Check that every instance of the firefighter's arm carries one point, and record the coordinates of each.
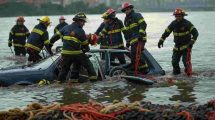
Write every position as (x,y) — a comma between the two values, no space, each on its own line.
(142,27)
(56,37)
(11,35)
(27,33)
(166,33)
(194,33)
(56,29)
(103,33)
(84,41)
(100,28)
(47,43)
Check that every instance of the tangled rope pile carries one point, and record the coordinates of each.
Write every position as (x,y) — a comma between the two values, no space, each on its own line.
(28,113)
(114,111)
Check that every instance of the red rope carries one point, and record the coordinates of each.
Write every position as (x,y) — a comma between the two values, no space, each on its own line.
(211,115)
(188,63)
(86,112)
(186,114)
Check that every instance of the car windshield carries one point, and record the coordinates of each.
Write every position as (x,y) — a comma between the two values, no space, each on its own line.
(44,64)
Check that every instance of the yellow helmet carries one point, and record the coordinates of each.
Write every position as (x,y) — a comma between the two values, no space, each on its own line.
(45,19)
(104,15)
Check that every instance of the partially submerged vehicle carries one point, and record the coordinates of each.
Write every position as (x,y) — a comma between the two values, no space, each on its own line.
(48,69)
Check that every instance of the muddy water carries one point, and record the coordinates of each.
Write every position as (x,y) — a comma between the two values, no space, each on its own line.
(197,89)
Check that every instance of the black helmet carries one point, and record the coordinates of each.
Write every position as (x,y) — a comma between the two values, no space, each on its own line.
(80,16)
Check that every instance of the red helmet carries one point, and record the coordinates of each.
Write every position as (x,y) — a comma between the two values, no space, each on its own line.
(126,5)
(179,11)
(110,13)
(62,18)
(20,19)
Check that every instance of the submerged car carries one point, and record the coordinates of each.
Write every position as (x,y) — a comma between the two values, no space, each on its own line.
(48,69)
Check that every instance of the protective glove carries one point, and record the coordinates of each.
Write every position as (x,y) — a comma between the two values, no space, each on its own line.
(49,48)
(9,44)
(190,44)
(85,48)
(160,43)
(127,44)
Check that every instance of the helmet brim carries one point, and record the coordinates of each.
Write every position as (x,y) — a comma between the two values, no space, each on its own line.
(180,14)
(123,10)
(79,19)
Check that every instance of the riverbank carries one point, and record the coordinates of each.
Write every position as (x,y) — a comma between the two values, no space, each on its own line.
(24,9)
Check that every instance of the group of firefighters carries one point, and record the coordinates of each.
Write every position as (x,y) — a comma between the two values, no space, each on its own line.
(108,35)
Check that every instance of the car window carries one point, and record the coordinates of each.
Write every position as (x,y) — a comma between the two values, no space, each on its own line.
(115,60)
(44,64)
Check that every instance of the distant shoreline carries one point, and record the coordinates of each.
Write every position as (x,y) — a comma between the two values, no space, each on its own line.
(23,9)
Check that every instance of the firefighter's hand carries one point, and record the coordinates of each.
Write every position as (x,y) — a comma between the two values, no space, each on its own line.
(160,43)
(9,44)
(190,44)
(49,49)
(85,48)
(127,44)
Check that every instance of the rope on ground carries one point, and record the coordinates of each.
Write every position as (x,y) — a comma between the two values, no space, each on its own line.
(186,114)
(28,113)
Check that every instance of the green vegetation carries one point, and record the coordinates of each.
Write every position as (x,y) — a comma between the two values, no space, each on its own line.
(23,9)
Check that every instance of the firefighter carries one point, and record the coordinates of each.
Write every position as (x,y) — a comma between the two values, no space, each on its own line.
(61,24)
(38,39)
(75,44)
(113,30)
(18,35)
(185,35)
(104,44)
(135,35)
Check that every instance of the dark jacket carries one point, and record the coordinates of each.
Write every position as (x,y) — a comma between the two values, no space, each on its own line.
(104,42)
(135,27)
(38,38)
(73,37)
(113,31)
(59,27)
(183,31)
(18,35)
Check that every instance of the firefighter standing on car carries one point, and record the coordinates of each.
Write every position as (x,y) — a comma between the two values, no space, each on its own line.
(61,24)
(75,44)
(113,30)
(18,35)
(135,27)
(38,39)
(185,35)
